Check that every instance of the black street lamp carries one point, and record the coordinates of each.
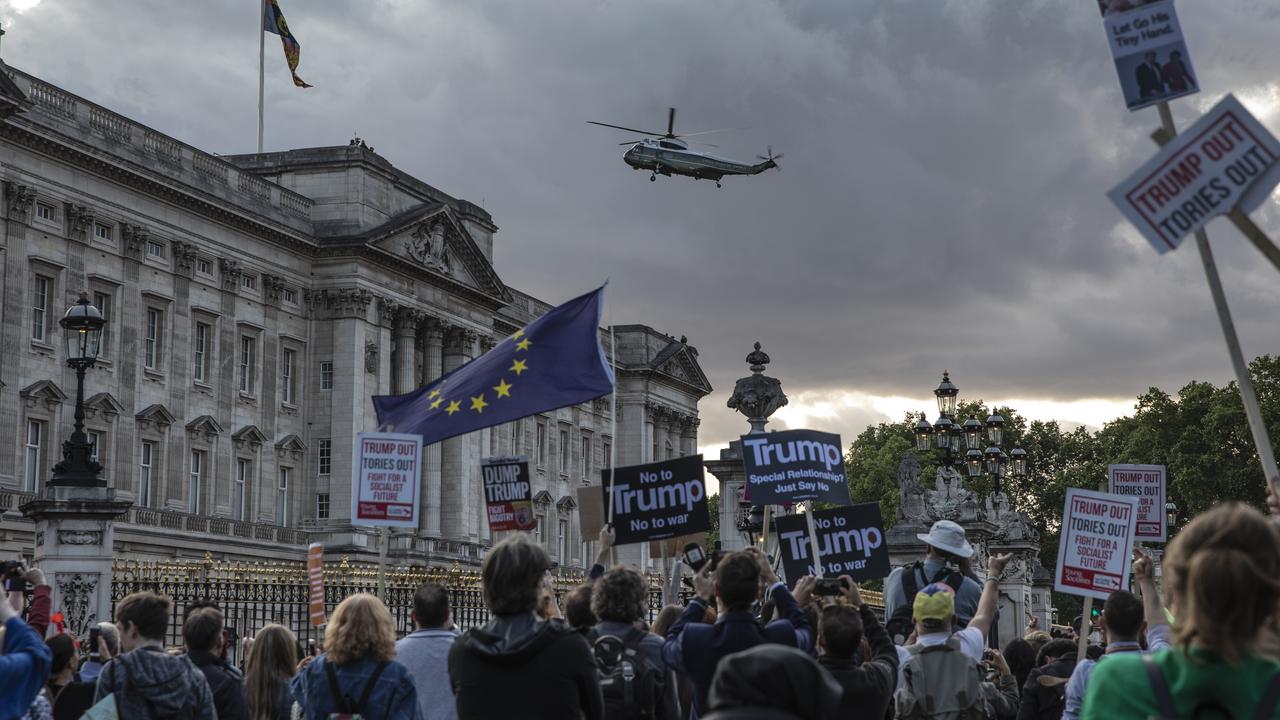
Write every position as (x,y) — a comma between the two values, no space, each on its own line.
(945,435)
(82,324)
(1170,516)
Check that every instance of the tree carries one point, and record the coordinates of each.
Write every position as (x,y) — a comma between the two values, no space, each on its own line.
(713,507)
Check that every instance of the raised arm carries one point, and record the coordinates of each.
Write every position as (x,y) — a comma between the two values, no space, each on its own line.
(1152,607)
(605,540)
(986,613)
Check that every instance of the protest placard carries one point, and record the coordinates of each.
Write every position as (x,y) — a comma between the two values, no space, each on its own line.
(590,511)
(656,500)
(1147,484)
(315,583)
(387,470)
(1096,543)
(508,494)
(1227,159)
(850,542)
(1150,56)
(792,465)
(672,547)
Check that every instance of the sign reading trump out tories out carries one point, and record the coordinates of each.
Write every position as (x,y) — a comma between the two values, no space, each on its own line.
(793,465)
(1097,543)
(1224,161)
(657,500)
(1147,484)
(850,542)
(508,496)
(387,473)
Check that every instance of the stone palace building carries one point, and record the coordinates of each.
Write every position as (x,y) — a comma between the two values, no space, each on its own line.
(254,303)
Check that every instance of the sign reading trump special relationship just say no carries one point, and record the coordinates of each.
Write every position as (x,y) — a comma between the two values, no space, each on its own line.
(1097,543)
(792,465)
(387,474)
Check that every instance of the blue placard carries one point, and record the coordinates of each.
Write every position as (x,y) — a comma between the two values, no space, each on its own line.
(793,465)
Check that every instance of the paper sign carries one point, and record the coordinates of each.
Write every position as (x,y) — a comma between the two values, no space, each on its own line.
(387,473)
(1150,56)
(850,542)
(315,583)
(590,512)
(1225,160)
(657,500)
(675,546)
(1147,484)
(1097,543)
(508,494)
(791,465)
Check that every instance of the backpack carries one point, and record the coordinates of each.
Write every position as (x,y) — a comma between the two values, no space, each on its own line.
(940,682)
(900,624)
(632,687)
(1169,711)
(346,709)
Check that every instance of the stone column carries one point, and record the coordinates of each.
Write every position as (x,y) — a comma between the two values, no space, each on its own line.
(404,331)
(432,336)
(75,538)
(454,478)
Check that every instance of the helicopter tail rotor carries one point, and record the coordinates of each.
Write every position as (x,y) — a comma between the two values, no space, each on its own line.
(770,157)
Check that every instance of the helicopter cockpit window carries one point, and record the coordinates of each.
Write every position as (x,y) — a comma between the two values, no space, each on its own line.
(670,145)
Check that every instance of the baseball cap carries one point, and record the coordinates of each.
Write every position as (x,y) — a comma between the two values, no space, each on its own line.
(934,605)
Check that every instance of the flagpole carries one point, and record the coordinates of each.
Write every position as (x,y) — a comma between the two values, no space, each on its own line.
(262,68)
(613,418)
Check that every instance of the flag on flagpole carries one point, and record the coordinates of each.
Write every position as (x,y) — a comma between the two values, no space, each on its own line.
(273,22)
(554,362)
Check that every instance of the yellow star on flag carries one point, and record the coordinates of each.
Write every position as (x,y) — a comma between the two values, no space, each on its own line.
(478,404)
(519,366)
(433,393)
(454,407)
(524,344)
(519,334)
(436,404)
(502,388)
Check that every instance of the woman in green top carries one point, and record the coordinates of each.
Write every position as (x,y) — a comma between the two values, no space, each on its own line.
(1223,578)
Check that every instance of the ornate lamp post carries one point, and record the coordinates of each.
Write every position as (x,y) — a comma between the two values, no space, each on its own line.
(1171,513)
(946,435)
(82,325)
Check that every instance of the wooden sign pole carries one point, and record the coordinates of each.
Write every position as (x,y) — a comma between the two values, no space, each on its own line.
(813,542)
(1261,439)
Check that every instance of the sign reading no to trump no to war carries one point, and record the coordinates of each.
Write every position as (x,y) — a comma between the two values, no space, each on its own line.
(1224,161)
(1097,543)
(850,542)
(1147,484)
(656,501)
(387,472)
(792,465)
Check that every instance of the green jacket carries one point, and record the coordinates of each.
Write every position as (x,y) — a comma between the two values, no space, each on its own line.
(1120,687)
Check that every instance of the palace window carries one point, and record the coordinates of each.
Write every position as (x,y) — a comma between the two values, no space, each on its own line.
(564,451)
(102,232)
(542,445)
(146,467)
(35,455)
(153,343)
(102,301)
(155,249)
(248,364)
(324,456)
(248,282)
(41,287)
(244,471)
(326,376)
(287,376)
(204,267)
(45,211)
(200,351)
(282,497)
(322,506)
(196,485)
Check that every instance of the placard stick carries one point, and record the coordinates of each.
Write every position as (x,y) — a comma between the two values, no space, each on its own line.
(813,541)
(662,567)
(1085,612)
(1250,229)
(1260,437)
(384,539)
(764,530)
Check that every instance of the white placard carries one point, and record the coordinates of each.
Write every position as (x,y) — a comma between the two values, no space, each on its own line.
(1097,543)
(1151,59)
(1147,484)
(1227,159)
(386,474)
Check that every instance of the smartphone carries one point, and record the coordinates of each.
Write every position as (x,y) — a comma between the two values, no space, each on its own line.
(94,633)
(716,556)
(828,586)
(15,584)
(695,557)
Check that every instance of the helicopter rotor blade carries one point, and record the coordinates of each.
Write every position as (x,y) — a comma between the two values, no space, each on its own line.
(705,132)
(619,127)
(632,142)
(671,122)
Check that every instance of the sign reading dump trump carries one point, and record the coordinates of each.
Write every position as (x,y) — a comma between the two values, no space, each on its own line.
(387,473)
(508,496)
(1097,543)
(1147,484)
(850,542)
(1224,161)
(657,501)
(791,465)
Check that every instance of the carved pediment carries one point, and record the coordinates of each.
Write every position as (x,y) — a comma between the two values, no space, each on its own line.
(291,446)
(679,362)
(431,237)
(103,404)
(44,392)
(567,503)
(154,415)
(204,426)
(542,497)
(249,436)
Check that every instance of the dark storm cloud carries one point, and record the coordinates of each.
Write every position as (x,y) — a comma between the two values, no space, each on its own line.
(941,202)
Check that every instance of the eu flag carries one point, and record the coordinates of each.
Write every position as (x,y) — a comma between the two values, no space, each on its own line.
(554,362)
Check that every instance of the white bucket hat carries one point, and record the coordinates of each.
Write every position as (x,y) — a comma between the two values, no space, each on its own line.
(948,536)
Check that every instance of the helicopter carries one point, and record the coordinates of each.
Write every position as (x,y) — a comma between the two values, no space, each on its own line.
(668,154)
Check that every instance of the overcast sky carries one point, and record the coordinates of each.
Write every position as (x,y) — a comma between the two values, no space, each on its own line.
(941,204)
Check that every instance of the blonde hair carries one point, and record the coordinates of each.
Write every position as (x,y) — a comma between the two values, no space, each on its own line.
(273,657)
(361,627)
(1223,573)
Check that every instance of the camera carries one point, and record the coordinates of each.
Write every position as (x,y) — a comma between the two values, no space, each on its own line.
(828,586)
(11,572)
(94,633)
(716,556)
(695,557)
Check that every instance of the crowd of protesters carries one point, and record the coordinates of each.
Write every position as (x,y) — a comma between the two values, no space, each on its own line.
(744,646)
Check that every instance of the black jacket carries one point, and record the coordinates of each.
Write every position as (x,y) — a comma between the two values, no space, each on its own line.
(868,687)
(518,666)
(70,701)
(772,681)
(1046,702)
(226,683)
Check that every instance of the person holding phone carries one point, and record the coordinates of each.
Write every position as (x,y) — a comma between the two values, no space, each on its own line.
(843,622)
(25,661)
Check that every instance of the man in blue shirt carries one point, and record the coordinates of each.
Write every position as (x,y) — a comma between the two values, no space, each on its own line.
(946,560)
(24,666)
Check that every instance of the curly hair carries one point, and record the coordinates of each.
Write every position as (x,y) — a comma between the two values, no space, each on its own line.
(361,627)
(619,596)
(1223,575)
